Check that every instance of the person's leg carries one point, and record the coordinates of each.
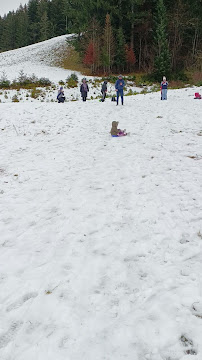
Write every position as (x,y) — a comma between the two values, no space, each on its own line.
(166,94)
(121,96)
(117,99)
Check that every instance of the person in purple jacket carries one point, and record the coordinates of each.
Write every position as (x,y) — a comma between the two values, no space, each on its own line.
(120,83)
(84,89)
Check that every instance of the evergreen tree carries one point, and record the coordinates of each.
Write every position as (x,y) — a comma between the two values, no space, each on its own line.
(120,57)
(33,21)
(57,17)
(42,10)
(9,32)
(108,45)
(22,27)
(162,55)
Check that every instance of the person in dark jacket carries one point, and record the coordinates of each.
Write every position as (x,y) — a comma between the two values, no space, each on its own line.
(119,88)
(61,95)
(104,90)
(164,89)
(84,89)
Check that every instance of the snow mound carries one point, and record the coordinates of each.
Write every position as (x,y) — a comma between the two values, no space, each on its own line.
(37,58)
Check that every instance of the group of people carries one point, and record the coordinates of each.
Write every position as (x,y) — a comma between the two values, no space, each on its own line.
(84,89)
(119,86)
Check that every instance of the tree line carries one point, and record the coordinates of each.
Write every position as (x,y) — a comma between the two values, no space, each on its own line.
(155,36)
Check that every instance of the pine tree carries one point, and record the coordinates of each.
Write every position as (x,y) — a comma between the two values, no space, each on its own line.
(33,21)
(120,59)
(9,32)
(22,27)
(42,11)
(162,58)
(108,45)
(57,17)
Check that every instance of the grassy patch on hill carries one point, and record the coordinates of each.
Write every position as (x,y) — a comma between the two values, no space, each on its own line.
(70,59)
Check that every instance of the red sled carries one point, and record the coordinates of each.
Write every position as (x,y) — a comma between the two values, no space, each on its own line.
(197,96)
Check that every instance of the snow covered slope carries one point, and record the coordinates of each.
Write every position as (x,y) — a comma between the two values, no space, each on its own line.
(101,238)
(37,59)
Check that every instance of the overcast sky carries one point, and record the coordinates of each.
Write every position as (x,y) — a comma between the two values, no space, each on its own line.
(9,5)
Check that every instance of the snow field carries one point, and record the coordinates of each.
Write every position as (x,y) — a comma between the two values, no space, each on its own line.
(101,245)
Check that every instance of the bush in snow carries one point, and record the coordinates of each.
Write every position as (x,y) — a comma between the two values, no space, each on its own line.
(44,82)
(72,81)
(4,82)
(15,98)
(35,93)
(73,76)
(24,81)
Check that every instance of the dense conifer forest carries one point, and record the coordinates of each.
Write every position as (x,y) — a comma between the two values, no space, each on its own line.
(153,36)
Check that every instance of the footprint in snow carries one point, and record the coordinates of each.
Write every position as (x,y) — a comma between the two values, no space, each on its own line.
(18,303)
(9,335)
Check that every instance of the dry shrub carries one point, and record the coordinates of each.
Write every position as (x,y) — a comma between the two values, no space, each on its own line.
(176,84)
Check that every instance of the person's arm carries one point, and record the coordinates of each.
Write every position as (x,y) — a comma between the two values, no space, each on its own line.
(87,88)
(116,85)
(81,88)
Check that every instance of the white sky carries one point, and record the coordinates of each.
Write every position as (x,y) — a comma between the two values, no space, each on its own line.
(9,5)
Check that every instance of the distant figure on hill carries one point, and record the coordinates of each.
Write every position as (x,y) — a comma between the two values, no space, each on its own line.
(115,132)
(164,89)
(61,95)
(119,88)
(84,89)
(104,90)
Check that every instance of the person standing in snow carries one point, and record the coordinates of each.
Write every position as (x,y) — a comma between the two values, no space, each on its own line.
(164,89)
(61,95)
(104,90)
(84,89)
(119,88)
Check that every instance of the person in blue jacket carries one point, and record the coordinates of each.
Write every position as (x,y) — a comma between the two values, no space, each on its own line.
(119,88)
(164,89)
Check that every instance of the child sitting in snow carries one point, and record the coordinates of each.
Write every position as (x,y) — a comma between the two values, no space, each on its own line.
(115,132)
(61,95)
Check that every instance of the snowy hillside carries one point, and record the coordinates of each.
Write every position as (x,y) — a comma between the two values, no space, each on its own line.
(101,238)
(38,59)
